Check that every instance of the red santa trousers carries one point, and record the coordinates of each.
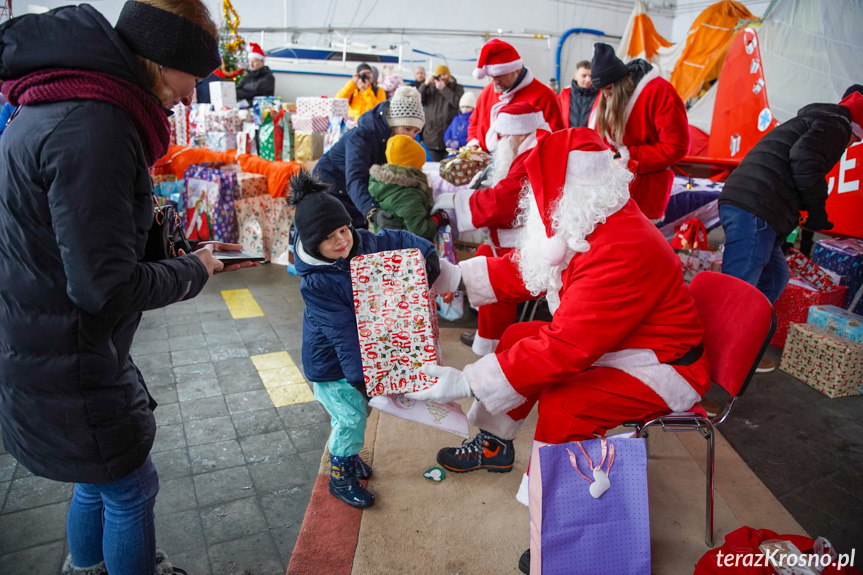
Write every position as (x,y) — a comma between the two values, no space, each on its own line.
(596,400)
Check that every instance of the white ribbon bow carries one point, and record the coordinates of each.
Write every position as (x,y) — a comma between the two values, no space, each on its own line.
(600,483)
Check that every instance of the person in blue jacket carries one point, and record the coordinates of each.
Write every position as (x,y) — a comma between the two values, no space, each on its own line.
(456,134)
(326,242)
(345,166)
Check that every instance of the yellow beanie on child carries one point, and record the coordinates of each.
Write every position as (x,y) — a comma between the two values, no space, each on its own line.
(405,151)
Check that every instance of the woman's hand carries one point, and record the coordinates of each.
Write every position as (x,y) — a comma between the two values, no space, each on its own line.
(205,254)
(222,247)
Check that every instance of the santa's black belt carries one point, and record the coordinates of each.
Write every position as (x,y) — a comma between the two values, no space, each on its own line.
(690,357)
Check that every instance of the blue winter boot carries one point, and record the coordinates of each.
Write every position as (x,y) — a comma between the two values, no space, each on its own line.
(344,484)
(364,470)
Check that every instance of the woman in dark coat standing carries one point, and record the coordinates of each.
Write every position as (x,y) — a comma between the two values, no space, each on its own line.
(76,205)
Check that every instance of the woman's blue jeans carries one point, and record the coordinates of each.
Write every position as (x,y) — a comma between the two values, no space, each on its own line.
(753,252)
(114,523)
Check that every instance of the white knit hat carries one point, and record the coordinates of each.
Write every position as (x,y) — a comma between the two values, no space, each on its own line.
(467,99)
(406,108)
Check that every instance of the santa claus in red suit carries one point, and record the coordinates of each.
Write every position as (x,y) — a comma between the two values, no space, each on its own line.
(519,127)
(641,117)
(625,340)
(510,82)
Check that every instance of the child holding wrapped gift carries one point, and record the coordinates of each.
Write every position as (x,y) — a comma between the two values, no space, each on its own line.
(326,242)
(401,188)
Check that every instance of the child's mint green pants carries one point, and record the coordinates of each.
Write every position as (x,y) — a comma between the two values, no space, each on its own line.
(347,408)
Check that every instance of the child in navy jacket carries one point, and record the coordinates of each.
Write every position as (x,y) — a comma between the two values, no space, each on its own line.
(326,242)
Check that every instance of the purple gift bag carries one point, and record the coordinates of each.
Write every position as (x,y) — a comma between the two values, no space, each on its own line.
(584,526)
(211,191)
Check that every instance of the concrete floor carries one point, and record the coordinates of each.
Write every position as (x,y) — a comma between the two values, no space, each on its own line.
(237,457)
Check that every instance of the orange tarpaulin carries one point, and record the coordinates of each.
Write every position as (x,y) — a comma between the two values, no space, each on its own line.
(278,174)
(643,39)
(706,44)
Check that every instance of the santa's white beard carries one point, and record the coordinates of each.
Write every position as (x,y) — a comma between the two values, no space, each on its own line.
(577,213)
(502,160)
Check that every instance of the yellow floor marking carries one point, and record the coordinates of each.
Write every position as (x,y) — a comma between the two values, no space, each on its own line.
(241,303)
(282,379)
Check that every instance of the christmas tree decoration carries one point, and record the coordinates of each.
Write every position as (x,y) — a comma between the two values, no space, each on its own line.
(232,46)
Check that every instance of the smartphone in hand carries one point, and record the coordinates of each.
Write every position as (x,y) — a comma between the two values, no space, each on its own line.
(237,257)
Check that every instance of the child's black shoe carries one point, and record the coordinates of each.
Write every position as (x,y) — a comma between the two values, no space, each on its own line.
(344,484)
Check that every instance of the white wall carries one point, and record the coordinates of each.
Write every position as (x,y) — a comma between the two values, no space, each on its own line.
(519,16)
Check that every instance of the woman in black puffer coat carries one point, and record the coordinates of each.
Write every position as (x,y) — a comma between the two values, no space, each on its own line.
(76,205)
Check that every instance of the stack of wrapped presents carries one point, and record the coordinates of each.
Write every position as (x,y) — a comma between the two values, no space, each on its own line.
(312,125)
(822,340)
(217,200)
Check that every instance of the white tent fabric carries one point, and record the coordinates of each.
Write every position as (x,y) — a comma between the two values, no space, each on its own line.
(811,51)
(666,57)
(701,113)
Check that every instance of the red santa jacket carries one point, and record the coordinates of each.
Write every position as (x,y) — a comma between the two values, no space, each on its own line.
(655,138)
(563,103)
(615,310)
(495,208)
(530,90)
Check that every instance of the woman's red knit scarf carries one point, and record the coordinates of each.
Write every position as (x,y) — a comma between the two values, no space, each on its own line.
(59,85)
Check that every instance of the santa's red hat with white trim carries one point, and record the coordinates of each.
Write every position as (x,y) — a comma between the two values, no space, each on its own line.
(497,58)
(565,159)
(256,52)
(519,118)
(854,103)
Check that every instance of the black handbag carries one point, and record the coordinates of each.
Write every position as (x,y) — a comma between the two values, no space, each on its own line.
(166,235)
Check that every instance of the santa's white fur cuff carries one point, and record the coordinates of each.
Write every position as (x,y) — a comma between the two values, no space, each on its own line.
(477,284)
(491,387)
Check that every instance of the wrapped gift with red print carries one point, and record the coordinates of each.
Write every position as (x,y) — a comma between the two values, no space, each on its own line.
(695,261)
(793,305)
(826,361)
(396,320)
(461,169)
(800,265)
(302,123)
(322,107)
(251,185)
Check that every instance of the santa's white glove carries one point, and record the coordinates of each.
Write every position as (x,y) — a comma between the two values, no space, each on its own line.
(477,182)
(451,385)
(449,278)
(444,201)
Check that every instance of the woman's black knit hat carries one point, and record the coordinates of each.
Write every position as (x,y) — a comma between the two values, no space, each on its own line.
(168,39)
(605,67)
(318,214)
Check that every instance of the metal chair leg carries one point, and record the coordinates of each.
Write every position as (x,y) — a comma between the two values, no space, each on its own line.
(711,446)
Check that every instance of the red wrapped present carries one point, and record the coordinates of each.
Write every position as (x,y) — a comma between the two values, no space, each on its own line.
(396,320)
(690,235)
(793,305)
(461,169)
(828,362)
(800,265)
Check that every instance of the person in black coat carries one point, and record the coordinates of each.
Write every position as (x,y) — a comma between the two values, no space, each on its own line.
(440,96)
(76,205)
(782,175)
(258,80)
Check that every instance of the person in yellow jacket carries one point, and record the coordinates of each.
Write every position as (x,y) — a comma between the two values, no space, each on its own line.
(362,92)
